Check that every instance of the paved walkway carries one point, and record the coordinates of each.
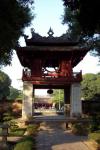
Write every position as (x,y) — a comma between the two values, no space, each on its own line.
(52,136)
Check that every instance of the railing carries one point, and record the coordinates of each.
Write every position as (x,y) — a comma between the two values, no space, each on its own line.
(74,76)
(77,75)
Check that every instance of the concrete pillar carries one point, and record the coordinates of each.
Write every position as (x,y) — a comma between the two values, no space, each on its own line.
(27,100)
(67,101)
(76,106)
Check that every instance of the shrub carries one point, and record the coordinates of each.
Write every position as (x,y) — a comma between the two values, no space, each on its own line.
(95,123)
(95,136)
(80,129)
(26,143)
(7,117)
(32,129)
(17,132)
(13,125)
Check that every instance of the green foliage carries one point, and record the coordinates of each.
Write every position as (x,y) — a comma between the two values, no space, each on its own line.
(14,17)
(14,94)
(74,30)
(90,86)
(13,125)
(95,136)
(58,98)
(17,132)
(4,85)
(83,17)
(58,95)
(7,117)
(87,14)
(26,2)
(95,123)
(80,128)
(26,143)
(14,130)
(32,129)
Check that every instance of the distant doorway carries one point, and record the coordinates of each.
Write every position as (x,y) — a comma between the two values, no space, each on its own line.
(46,103)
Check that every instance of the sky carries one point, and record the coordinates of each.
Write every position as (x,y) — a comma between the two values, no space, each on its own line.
(48,13)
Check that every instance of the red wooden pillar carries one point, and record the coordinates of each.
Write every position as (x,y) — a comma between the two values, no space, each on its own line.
(36,68)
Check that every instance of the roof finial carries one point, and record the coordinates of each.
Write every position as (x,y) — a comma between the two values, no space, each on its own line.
(50,32)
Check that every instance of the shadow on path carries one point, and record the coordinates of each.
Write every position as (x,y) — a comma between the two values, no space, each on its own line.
(52,136)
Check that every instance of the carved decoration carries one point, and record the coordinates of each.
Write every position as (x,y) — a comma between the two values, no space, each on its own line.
(50,38)
(42,52)
(50,32)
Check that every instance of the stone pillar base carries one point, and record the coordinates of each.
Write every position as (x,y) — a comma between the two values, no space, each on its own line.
(76,106)
(77,115)
(67,110)
(27,100)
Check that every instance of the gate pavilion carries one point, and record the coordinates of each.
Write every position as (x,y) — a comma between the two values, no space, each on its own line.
(61,54)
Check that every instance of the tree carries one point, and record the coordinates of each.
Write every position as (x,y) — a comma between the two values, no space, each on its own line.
(5,83)
(15,15)
(90,86)
(25,2)
(14,94)
(58,95)
(74,30)
(83,19)
(87,14)
(58,98)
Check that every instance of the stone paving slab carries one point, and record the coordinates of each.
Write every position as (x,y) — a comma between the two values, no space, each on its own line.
(52,137)
(59,118)
(12,139)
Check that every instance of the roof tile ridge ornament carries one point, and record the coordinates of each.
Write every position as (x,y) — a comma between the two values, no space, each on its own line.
(36,38)
(35,35)
(25,36)
(50,32)
(32,31)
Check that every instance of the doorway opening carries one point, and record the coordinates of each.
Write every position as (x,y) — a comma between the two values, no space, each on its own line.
(48,102)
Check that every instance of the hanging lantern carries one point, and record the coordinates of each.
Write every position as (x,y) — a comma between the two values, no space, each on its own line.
(50,91)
